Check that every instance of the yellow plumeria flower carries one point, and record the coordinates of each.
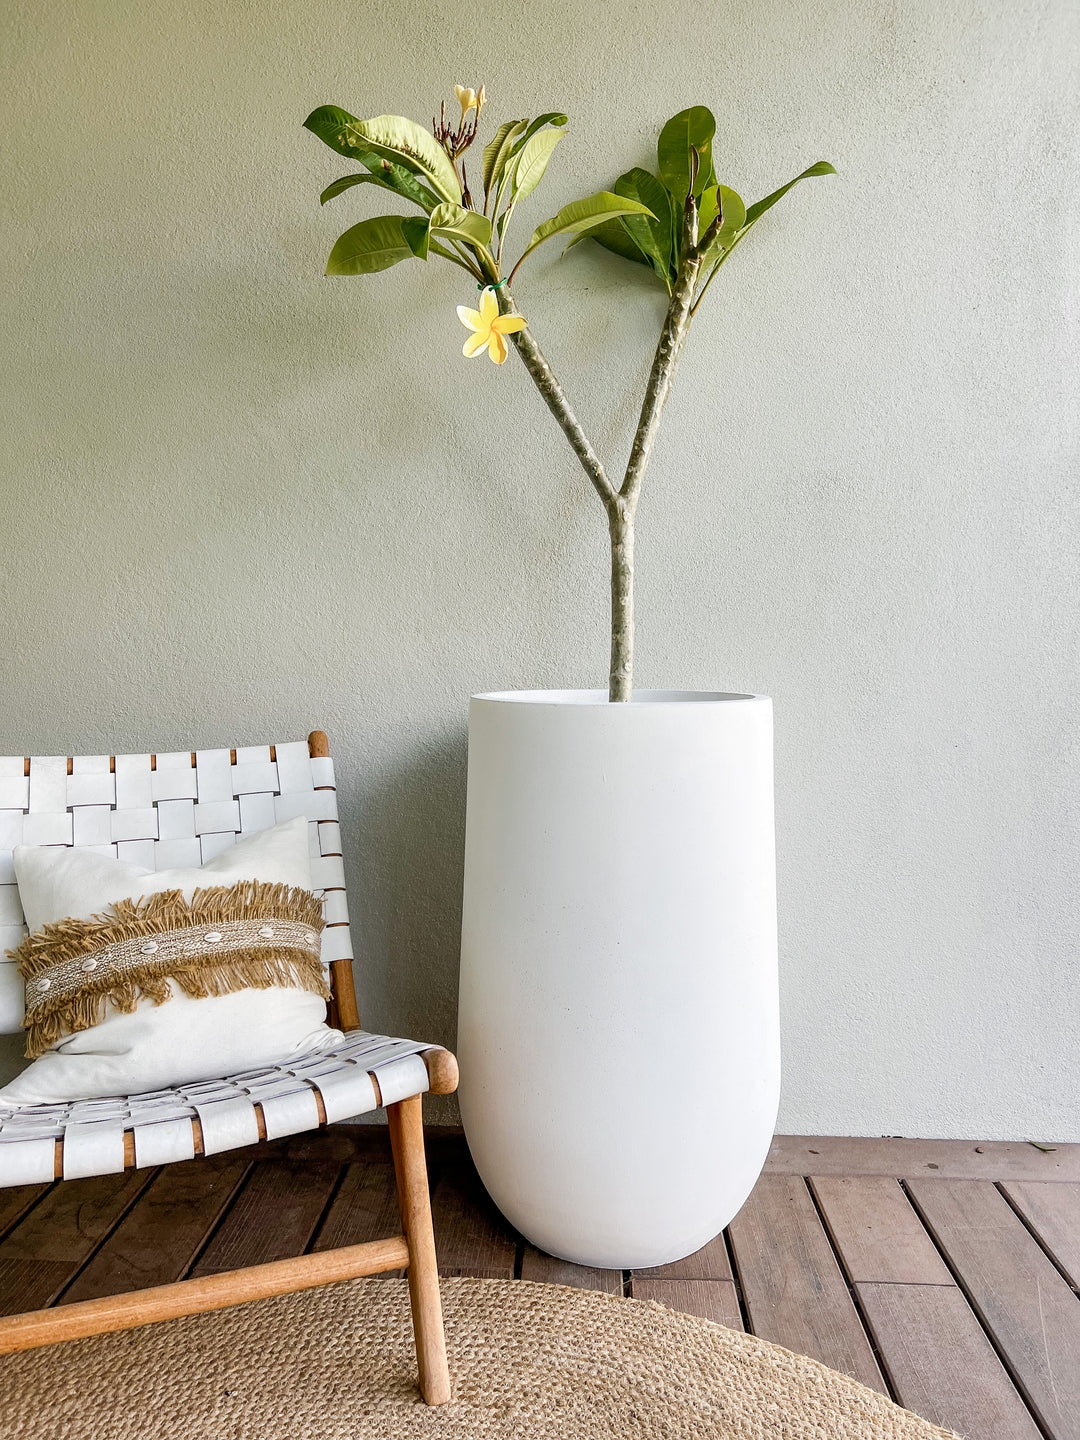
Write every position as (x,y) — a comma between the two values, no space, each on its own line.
(489,327)
(468,99)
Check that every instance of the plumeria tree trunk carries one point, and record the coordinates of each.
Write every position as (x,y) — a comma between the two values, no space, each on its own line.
(621,674)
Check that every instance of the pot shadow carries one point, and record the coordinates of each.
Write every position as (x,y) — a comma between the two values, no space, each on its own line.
(406,919)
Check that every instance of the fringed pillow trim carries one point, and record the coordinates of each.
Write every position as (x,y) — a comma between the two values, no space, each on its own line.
(245,936)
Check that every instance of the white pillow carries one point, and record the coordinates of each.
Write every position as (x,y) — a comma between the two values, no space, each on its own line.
(185,1038)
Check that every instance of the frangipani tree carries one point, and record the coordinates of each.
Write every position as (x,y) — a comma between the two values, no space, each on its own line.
(681,223)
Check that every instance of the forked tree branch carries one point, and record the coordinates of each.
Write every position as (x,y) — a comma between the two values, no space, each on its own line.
(621,505)
(556,401)
(668,349)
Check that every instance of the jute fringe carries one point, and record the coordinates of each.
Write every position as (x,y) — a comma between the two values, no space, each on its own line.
(200,974)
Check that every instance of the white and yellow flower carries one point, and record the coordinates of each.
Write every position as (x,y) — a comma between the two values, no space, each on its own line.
(470,99)
(489,327)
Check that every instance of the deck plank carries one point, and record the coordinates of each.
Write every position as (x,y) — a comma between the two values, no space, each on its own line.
(44,1252)
(273,1217)
(1053,1212)
(16,1201)
(709,1263)
(547,1270)
(158,1239)
(334,1188)
(946,1159)
(471,1237)
(364,1208)
(940,1362)
(711,1299)
(794,1291)
(876,1231)
(1018,1294)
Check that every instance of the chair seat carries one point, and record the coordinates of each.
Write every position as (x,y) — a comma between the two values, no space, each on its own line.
(299,1094)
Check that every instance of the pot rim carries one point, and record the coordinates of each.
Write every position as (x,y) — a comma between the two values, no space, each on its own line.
(599,698)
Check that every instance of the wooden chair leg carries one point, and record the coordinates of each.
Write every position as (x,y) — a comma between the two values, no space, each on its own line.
(407,1142)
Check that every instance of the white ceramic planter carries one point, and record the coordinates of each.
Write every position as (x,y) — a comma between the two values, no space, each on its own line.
(618,1022)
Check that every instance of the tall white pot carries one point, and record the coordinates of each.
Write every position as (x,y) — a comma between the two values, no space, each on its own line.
(618,1021)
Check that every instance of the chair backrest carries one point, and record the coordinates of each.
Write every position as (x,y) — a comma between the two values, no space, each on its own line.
(180,809)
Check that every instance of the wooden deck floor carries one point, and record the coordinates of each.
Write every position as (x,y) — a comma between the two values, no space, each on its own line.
(944,1273)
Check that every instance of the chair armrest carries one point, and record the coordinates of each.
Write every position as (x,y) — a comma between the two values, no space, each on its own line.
(442,1069)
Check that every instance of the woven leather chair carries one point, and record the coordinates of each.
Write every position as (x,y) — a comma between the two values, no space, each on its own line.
(161,811)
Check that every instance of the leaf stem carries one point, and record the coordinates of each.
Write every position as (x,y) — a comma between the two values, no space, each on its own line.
(724,255)
(457,255)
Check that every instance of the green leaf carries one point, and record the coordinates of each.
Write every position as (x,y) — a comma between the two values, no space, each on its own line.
(461,224)
(394,138)
(716,255)
(332,124)
(734,221)
(582,215)
(707,208)
(345,183)
(388,177)
(417,234)
(690,130)
(706,176)
(497,151)
(400,180)
(372,245)
(613,236)
(533,161)
(341,131)
(755,211)
(653,237)
(538,124)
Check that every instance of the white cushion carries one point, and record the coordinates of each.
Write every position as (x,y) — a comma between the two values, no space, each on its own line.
(58,881)
(186,1038)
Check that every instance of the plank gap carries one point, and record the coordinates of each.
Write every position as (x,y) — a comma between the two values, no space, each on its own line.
(138,1192)
(154,1244)
(795,1292)
(211,1233)
(335,1190)
(44,1252)
(880,1237)
(736,1280)
(274,1215)
(1033,1231)
(853,1292)
(16,1210)
(997,1346)
(941,1363)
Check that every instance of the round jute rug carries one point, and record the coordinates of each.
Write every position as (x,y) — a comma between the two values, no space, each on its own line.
(529,1362)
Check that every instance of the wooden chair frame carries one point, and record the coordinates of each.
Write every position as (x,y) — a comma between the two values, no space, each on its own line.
(413,1249)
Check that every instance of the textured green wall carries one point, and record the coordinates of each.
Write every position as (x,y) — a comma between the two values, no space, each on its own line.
(240,500)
